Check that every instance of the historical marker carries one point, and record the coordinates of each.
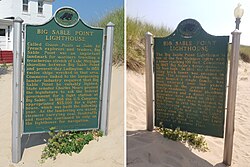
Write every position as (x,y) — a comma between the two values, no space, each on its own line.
(190,79)
(63,71)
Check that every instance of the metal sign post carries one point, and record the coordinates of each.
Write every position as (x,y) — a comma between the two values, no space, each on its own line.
(228,145)
(107,77)
(149,82)
(16,94)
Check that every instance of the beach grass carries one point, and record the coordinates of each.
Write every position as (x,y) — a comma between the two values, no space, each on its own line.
(245,49)
(116,17)
(244,53)
(136,31)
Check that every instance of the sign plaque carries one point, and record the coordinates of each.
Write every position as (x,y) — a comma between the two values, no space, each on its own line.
(190,79)
(63,71)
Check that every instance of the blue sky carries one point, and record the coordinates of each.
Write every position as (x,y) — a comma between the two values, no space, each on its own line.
(215,16)
(90,11)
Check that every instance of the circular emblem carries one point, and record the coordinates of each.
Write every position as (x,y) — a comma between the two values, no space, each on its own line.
(66,17)
(189,28)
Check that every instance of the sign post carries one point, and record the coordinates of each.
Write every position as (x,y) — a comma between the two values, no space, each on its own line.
(149,82)
(107,77)
(228,144)
(16,94)
(234,61)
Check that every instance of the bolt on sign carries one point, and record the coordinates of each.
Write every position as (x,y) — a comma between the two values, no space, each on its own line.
(190,79)
(63,74)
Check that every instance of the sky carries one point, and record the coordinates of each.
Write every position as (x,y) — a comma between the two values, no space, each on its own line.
(90,11)
(215,16)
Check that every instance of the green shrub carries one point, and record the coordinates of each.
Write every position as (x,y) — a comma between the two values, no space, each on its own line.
(193,140)
(67,142)
(4,66)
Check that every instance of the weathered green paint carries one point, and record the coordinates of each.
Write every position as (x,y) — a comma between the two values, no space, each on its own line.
(62,78)
(190,79)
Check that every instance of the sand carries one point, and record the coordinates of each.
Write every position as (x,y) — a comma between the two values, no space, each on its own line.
(107,152)
(150,149)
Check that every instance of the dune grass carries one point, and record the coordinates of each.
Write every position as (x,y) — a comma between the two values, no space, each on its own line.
(136,31)
(245,49)
(117,18)
(244,53)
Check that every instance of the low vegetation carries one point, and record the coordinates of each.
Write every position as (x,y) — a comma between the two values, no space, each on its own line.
(193,140)
(67,142)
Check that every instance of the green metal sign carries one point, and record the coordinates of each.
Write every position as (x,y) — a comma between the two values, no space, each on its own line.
(190,79)
(63,71)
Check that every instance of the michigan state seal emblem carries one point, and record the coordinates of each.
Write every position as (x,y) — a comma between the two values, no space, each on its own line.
(66,17)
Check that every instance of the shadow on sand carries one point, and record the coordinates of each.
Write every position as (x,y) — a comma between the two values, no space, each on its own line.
(30,140)
(147,149)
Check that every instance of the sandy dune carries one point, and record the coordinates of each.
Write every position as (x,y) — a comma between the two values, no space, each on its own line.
(147,149)
(107,152)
